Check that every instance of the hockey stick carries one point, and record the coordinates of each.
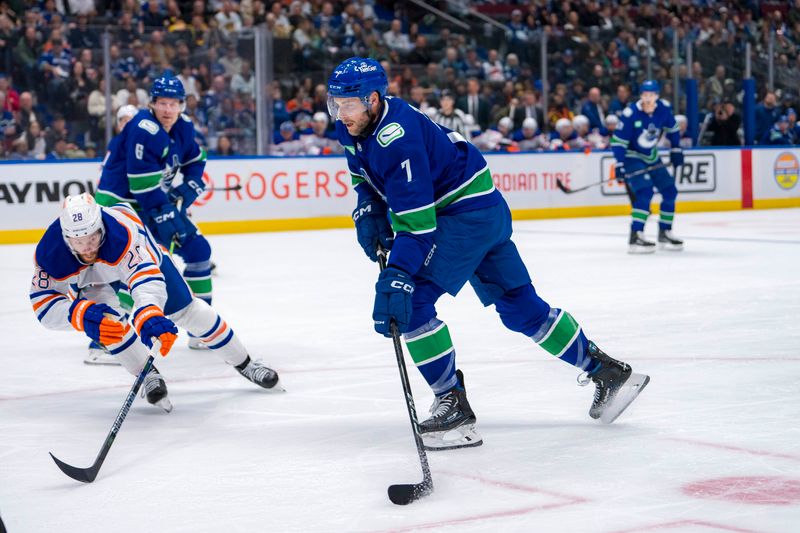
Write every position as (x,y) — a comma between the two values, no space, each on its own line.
(87,475)
(236,187)
(405,493)
(645,170)
(178,206)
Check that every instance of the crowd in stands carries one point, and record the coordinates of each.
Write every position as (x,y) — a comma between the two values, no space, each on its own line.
(485,83)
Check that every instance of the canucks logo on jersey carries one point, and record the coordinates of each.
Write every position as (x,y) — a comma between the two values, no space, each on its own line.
(638,134)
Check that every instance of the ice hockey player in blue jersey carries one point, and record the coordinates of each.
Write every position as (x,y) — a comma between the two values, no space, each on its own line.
(635,147)
(427,194)
(140,169)
(87,255)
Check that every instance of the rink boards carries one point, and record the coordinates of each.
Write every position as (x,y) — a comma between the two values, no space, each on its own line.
(295,193)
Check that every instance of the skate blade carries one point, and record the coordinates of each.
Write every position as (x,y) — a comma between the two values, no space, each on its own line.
(278,387)
(624,397)
(165,404)
(667,247)
(461,437)
(638,250)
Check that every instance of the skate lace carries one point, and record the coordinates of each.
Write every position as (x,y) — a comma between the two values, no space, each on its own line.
(257,372)
(151,382)
(442,405)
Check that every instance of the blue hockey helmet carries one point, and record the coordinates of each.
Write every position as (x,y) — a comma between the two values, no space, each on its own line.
(650,86)
(167,87)
(357,77)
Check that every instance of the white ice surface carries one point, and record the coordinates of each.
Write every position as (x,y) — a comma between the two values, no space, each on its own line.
(716,326)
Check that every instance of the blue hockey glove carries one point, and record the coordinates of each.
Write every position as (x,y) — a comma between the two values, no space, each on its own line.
(150,323)
(676,157)
(97,321)
(372,227)
(168,224)
(619,172)
(393,293)
(188,191)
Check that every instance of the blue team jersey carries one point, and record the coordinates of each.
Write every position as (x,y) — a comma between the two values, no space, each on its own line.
(638,133)
(143,159)
(421,170)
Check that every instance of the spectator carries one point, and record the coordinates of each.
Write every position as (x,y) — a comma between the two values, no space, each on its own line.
(231,61)
(474,104)
(28,112)
(715,85)
(81,36)
(26,56)
(767,114)
(224,147)
(190,83)
(621,100)
(12,96)
(778,134)
(130,94)
(593,109)
(493,68)
(36,146)
(723,125)
(244,82)
(396,40)
(286,133)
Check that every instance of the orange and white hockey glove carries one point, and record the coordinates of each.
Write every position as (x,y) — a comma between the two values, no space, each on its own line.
(150,323)
(97,321)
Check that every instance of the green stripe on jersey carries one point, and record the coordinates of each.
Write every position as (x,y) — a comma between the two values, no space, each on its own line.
(108,199)
(667,217)
(355,179)
(416,221)
(199,286)
(478,185)
(144,182)
(560,335)
(430,345)
(650,158)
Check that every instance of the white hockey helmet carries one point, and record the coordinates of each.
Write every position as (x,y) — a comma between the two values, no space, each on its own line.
(580,121)
(562,124)
(81,216)
(530,124)
(681,120)
(506,123)
(611,119)
(126,111)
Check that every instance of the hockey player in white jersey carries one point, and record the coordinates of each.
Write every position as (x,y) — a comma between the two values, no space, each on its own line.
(90,252)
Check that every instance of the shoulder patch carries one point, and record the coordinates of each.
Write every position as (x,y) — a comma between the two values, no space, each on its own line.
(628,112)
(350,149)
(185,117)
(149,126)
(390,133)
(665,103)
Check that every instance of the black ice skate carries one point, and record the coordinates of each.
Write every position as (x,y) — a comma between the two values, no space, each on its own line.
(452,421)
(638,245)
(667,241)
(155,390)
(616,385)
(260,375)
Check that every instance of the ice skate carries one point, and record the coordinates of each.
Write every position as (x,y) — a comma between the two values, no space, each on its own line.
(616,385)
(638,245)
(452,421)
(667,241)
(261,375)
(155,390)
(99,355)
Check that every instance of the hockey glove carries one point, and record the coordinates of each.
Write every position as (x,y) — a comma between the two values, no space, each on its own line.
(151,323)
(393,293)
(619,172)
(169,224)
(676,157)
(372,227)
(188,191)
(90,317)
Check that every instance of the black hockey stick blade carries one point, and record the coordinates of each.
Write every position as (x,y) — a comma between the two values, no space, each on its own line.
(403,494)
(562,187)
(84,475)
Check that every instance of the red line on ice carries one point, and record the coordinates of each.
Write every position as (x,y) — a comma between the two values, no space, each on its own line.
(728,447)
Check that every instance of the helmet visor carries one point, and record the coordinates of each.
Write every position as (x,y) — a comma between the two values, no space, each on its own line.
(346,108)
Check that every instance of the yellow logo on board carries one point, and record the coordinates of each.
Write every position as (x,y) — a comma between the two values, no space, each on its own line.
(787,170)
